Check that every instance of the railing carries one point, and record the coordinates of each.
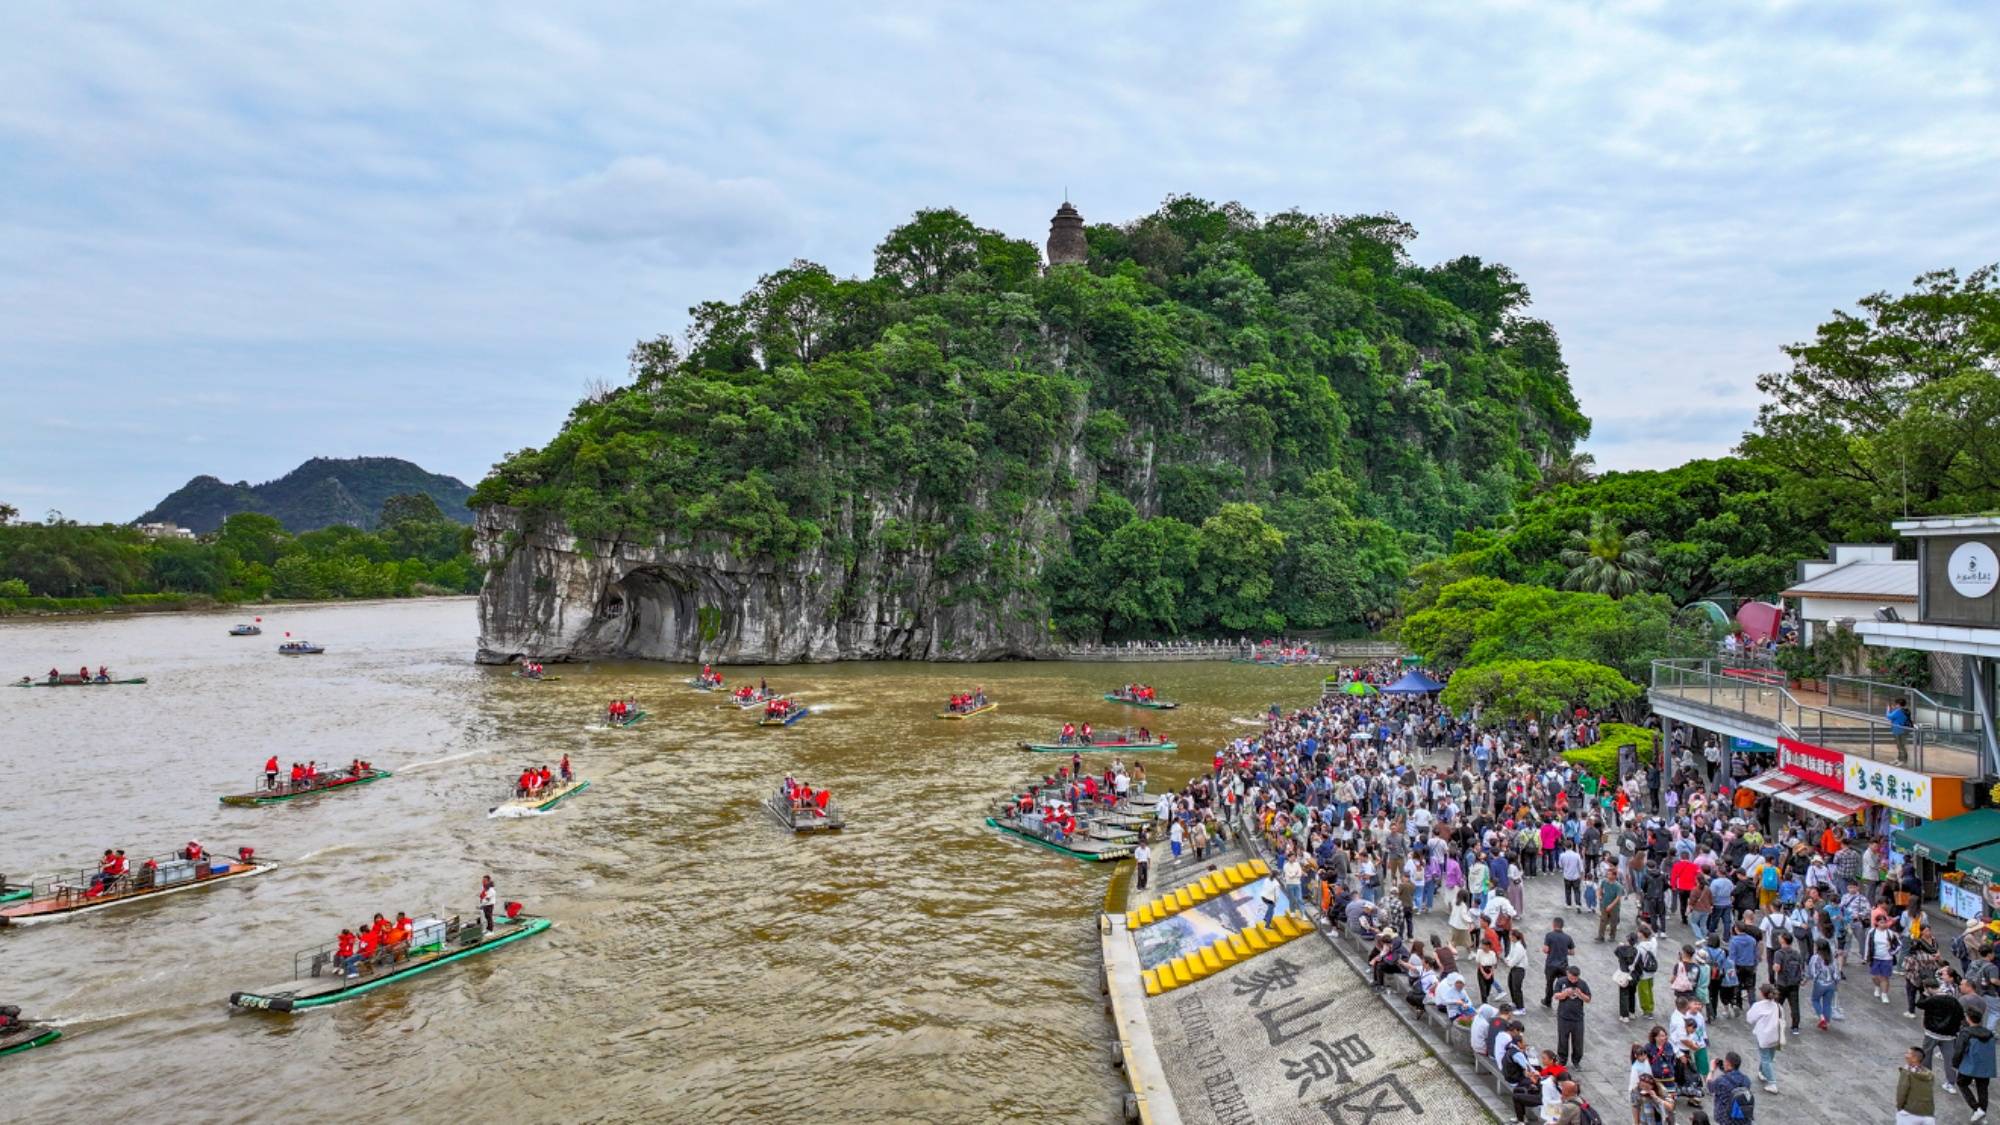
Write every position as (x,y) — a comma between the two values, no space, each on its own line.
(1924,746)
(1875,697)
(324,960)
(137,877)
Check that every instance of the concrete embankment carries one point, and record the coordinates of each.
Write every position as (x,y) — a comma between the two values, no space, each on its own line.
(1289,1033)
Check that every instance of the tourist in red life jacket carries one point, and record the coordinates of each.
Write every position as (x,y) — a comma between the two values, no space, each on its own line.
(271,772)
(298,776)
(84,673)
(344,952)
(819,801)
(1068,733)
(365,945)
(1085,734)
(1145,735)
(107,870)
(566,775)
(193,851)
(547,777)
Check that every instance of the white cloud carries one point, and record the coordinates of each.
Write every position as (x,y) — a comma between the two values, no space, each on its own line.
(690,217)
(448,216)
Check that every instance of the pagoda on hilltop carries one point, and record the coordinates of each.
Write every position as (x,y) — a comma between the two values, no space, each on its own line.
(1067,245)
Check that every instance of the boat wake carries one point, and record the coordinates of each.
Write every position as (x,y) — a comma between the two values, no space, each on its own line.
(511,812)
(1248,722)
(440,761)
(316,852)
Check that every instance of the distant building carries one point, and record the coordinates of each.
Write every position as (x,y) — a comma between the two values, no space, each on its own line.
(1857,580)
(165,531)
(1067,245)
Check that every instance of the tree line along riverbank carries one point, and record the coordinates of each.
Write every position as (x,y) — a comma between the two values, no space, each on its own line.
(59,566)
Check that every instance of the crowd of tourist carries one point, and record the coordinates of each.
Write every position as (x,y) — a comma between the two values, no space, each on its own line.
(1383,812)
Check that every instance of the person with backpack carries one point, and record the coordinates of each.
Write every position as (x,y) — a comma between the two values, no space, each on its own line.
(1647,967)
(1825,978)
(1610,903)
(1729,1091)
(1879,945)
(1788,972)
(1627,977)
(1944,1018)
(1973,1057)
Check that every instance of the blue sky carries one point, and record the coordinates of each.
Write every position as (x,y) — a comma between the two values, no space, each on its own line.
(236,236)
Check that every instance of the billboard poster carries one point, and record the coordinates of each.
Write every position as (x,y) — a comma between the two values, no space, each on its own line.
(1905,790)
(1205,923)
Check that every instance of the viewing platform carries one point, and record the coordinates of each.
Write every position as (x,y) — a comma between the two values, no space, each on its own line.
(1847,714)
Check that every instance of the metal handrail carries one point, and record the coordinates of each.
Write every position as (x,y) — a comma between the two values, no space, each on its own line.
(1853,732)
(1875,696)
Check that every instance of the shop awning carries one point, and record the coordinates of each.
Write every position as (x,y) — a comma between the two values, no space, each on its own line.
(1981,862)
(1940,840)
(1821,801)
(1773,782)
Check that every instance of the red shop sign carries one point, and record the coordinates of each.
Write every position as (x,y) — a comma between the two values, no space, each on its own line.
(1816,764)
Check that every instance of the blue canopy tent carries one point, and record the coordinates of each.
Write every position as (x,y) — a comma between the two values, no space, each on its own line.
(1414,682)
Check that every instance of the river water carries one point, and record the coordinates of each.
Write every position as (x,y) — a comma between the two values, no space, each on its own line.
(705,965)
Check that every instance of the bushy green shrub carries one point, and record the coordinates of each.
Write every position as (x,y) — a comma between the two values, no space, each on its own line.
(1601,757)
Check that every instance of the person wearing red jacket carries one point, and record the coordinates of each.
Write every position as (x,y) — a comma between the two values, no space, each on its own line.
(1682,877)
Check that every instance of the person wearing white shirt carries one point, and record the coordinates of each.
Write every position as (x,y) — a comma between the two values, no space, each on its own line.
(1143,856)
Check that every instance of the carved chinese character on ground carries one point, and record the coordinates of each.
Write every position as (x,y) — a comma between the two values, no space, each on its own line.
(1291,1011)
(1327,1061)
(1278,976)
(1371,1103)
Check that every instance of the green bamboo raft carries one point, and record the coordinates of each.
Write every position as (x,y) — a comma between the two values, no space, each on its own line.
(1148,704)
(287,793)
(318,981)
(27,1037)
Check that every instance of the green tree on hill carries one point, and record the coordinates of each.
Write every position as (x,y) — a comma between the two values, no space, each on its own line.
(1608,559)
(1206,362)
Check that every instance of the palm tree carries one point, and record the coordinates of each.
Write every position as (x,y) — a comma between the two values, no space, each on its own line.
(1608,560)
(1577,468)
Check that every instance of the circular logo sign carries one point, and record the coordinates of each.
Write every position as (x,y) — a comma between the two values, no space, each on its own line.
(1973,570)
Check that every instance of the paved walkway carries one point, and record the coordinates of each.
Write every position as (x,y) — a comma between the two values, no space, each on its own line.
(1846,1074)
(1291,1036)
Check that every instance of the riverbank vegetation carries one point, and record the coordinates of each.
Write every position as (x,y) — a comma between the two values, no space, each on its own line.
(62,566)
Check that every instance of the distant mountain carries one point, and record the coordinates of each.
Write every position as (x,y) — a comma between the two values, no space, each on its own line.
(320,493)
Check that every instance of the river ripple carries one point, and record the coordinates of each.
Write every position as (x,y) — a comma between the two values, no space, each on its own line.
(706,966)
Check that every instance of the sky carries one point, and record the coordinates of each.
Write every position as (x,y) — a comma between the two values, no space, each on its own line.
(236,236)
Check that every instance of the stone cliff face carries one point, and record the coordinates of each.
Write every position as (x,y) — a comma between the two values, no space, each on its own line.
(551,597)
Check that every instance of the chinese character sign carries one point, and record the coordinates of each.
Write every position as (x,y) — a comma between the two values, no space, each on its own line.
(1816,764)
(1897,788)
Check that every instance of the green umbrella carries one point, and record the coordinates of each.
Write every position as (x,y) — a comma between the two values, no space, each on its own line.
(1357,687)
